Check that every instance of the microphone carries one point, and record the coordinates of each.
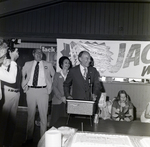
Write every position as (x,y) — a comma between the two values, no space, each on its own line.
(89,79)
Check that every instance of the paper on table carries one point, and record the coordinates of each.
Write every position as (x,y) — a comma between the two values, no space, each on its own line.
(52,138)
(145,142)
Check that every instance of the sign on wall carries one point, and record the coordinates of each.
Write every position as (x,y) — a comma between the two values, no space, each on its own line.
(49,51)
(126,59)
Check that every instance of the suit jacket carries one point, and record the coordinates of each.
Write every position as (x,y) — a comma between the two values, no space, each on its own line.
(48,71)
(81,88)
(58,88)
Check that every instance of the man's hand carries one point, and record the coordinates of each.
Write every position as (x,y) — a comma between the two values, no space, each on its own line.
(25,88)
(64,99)
(94,97)
(69,97)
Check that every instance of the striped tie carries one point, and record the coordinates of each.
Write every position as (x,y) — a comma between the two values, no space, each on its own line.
(84,73)
(36,73)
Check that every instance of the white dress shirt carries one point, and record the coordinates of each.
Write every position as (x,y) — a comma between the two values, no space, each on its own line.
(82,70)
(41,76)
(10,76)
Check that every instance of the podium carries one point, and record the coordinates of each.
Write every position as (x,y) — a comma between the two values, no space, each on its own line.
(80,107)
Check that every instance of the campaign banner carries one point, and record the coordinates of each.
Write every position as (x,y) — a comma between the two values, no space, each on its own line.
(49,51)
(122,59)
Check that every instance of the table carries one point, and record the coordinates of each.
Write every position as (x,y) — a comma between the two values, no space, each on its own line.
(135,128)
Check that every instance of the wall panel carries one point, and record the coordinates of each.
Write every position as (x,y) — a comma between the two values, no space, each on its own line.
(89,20)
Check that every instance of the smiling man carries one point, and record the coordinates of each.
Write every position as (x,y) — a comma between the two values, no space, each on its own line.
(37,84)
(83,79)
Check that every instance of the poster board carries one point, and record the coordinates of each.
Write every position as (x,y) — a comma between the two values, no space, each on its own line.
(124,59)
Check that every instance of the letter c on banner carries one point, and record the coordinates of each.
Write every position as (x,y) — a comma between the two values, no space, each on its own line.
(144,55)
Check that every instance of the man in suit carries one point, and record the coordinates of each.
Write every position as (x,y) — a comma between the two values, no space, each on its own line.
(37,78)
(84,80)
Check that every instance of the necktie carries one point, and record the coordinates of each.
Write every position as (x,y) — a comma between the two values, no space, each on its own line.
(36,73)
(84,73)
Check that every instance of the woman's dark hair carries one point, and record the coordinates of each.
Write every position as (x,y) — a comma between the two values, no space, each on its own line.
(122,92)
(61,61)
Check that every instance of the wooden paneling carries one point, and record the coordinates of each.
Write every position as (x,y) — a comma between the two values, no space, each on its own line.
(89,20)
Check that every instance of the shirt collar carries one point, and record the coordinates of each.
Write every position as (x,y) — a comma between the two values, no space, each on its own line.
(37,61)
(61,72)
(82,68)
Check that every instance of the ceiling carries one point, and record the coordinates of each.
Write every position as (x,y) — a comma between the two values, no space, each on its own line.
(8,7)
(12,6)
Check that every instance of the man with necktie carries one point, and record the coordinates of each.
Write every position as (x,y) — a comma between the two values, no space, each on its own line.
(83,79)
(37,78)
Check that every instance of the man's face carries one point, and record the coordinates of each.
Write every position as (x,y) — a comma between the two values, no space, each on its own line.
(38,55)
(15,53)
(85,59)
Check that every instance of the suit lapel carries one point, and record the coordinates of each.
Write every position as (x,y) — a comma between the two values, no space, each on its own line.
(61,77)
(79,73)
(88,74)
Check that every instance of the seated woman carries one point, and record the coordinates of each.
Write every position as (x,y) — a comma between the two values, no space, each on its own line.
(122,107)
(59,100)
(145,117)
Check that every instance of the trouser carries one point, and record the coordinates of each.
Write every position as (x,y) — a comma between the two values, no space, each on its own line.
(8,116)
(37,97)
(58,110)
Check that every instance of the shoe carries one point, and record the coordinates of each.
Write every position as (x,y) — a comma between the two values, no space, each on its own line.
(27,142)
